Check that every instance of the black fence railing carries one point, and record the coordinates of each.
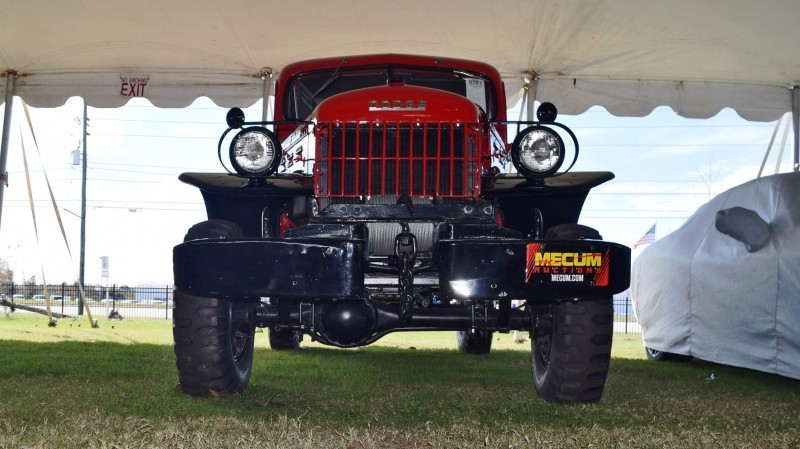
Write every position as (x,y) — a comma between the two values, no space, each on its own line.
(156,301)
(140,301)
(624,319)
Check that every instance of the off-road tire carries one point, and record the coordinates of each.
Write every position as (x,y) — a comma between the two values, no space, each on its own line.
(214,229)
(213,344)
(572,231)
(661,356)
(284,338)
(474,343)
(571,342)
(213,336)
(570,363)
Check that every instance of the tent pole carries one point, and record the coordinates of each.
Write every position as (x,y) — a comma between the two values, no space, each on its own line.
(266,75)
(771,142)
(796,124)
(11,78)
(534,84)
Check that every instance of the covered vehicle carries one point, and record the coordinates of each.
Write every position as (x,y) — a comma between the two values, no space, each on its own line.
(725,287)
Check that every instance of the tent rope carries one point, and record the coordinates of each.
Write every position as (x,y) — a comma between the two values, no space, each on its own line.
(92,322)
(50,321)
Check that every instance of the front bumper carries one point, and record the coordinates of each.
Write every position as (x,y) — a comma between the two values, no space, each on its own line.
(532,269)
(333,268)
(301,268)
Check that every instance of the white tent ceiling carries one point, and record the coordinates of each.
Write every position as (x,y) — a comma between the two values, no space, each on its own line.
(626,55)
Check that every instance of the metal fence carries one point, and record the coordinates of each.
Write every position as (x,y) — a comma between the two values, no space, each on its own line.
(140,302)
(156,301)
(624,318)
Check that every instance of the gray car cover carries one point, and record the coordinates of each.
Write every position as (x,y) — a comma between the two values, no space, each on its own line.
(725,286)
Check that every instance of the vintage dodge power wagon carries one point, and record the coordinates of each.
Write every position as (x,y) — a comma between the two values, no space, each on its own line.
(375,202)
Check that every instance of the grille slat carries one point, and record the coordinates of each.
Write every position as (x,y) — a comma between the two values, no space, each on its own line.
(416,159)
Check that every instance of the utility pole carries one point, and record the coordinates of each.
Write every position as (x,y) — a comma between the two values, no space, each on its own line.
(83,209)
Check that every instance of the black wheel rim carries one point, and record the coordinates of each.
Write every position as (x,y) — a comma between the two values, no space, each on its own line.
(543,351)
(238,344)
(543,334)
(240,335)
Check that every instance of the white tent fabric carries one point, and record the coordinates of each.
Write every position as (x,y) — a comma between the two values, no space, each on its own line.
(699,292)
(626,55)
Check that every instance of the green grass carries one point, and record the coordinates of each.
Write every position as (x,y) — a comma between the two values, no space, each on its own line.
(73,386)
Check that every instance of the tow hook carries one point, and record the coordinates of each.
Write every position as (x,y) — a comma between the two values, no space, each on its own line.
(405,253)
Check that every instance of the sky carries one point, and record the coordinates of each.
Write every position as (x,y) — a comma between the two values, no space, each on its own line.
(137,210)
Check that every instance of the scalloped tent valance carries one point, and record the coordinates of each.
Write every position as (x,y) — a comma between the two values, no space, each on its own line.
(628,56)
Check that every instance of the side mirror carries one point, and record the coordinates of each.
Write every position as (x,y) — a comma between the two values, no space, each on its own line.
(744,225)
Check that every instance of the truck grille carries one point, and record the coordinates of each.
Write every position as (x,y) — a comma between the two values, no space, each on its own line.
(419,159)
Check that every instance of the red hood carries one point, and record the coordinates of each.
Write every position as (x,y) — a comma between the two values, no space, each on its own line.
(396,102)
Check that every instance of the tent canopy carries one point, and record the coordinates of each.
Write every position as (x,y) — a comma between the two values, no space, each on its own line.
(626,55)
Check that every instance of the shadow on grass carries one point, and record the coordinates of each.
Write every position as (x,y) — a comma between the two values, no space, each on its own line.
(379,386)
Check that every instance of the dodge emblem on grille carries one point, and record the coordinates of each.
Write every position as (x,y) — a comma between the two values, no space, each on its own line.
(397,105)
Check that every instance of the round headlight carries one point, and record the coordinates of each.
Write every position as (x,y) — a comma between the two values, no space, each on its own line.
(537,151)
(255,152)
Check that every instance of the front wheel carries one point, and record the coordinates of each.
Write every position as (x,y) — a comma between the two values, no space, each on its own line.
(661,356)
(213,344)
(213,336)
(571,341)
(571,350)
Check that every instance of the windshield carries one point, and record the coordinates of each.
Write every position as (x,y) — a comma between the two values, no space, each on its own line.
(306,90)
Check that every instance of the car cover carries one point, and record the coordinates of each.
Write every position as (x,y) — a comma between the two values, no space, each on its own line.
(725,286)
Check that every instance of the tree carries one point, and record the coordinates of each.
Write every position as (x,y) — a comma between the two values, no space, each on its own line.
(6,273)
(126,292)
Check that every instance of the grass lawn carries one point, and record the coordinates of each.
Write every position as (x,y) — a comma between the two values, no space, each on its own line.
(73,386)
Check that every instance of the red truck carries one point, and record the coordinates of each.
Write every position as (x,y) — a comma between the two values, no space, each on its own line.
(374,203)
